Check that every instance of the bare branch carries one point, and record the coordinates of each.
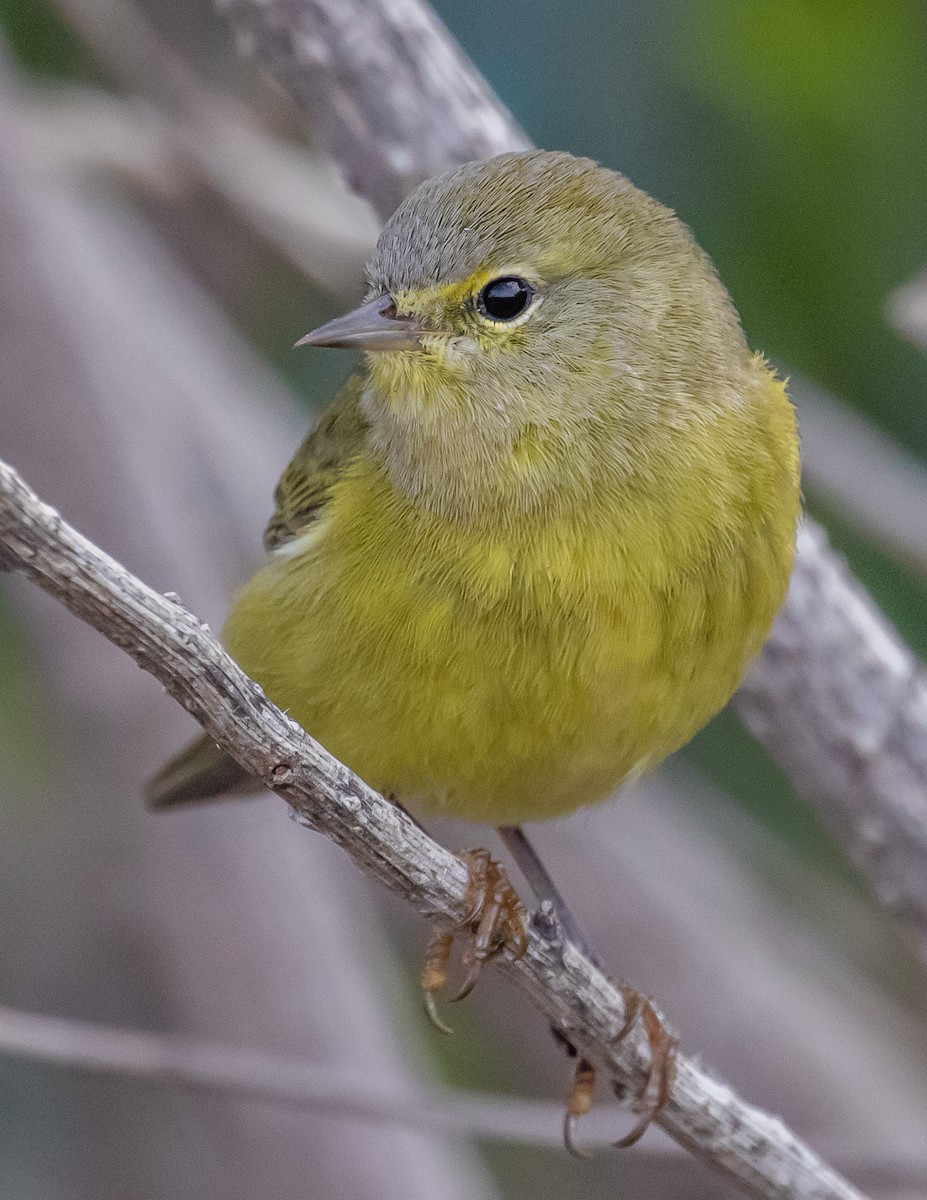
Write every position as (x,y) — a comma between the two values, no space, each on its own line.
(158,1058)
(832,653)
(396,98)
(390,92)
(746,1144)
(877,484)
(343,1090)
(293,197)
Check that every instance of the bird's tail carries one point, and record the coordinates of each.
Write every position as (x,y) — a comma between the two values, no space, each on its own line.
(200,772)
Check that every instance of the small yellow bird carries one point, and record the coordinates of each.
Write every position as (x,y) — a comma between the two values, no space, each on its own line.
(534,544)
(531,548)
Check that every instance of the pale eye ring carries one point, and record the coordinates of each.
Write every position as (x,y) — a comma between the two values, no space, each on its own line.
(505,298)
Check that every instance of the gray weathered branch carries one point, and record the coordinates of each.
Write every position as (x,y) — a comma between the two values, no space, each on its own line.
(389,90)
(864,756)
(875,483)
(335,1089)
(396,99)
(752,1148)
(185,1062)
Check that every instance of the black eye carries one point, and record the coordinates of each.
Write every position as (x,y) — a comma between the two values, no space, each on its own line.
(506,298)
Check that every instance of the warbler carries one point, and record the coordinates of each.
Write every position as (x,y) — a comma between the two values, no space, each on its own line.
(535,542)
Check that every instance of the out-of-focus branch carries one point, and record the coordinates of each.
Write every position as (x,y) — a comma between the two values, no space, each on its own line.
(878,485)
(255,1075)
(209,137)
(865,756)
(907,310)
(747,1145)
(292,197)
(389,91)
(387,106)
(396,98)
(159,1058)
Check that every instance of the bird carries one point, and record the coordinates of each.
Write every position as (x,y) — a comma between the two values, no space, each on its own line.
(538,538)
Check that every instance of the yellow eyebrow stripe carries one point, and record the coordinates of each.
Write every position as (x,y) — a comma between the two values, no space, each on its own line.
(454,295)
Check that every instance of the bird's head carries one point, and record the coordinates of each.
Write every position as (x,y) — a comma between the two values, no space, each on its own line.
(530,291)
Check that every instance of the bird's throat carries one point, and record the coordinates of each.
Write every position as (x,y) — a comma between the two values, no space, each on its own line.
(455,457)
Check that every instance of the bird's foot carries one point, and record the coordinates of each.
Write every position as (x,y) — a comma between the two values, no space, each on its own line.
(496,923)
(657,1087)
(663,1043)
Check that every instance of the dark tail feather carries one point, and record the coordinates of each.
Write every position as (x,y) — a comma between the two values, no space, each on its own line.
(200,772)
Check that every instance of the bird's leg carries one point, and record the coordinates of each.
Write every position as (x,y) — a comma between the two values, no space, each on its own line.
(544,888)
(582,1088)
(495,922)
(638,1007)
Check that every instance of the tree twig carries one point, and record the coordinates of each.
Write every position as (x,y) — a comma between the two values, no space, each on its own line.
(389,90)
(159,1058)
(875,482)
(396,98)
(749,1146)
(345,1090)
(867,761)
(292,197)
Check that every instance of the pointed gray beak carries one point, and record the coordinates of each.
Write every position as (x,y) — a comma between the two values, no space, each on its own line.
(374,326)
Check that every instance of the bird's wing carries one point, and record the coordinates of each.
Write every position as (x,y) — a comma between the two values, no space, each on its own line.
(317,465)
(202,771)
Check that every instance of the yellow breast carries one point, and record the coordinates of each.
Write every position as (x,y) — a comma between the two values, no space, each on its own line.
(518,674)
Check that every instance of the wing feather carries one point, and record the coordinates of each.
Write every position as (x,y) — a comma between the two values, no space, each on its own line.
(316,466)
(202,770)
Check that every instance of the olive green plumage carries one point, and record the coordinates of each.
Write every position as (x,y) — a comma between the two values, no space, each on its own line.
(524,557)
(316,466)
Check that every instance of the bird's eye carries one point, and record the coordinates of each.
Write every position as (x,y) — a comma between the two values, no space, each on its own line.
(505,299)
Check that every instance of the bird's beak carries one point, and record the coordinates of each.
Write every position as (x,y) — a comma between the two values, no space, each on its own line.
(374,326)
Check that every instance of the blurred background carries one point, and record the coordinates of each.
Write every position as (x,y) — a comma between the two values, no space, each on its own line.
(167,231)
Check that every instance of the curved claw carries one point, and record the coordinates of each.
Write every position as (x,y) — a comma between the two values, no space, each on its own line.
(659,1083)
(434,974)
(431,1008)
(521,940)
(634,1003)
(570,1121)
(473,974)
(632,1138)
(579,1103)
